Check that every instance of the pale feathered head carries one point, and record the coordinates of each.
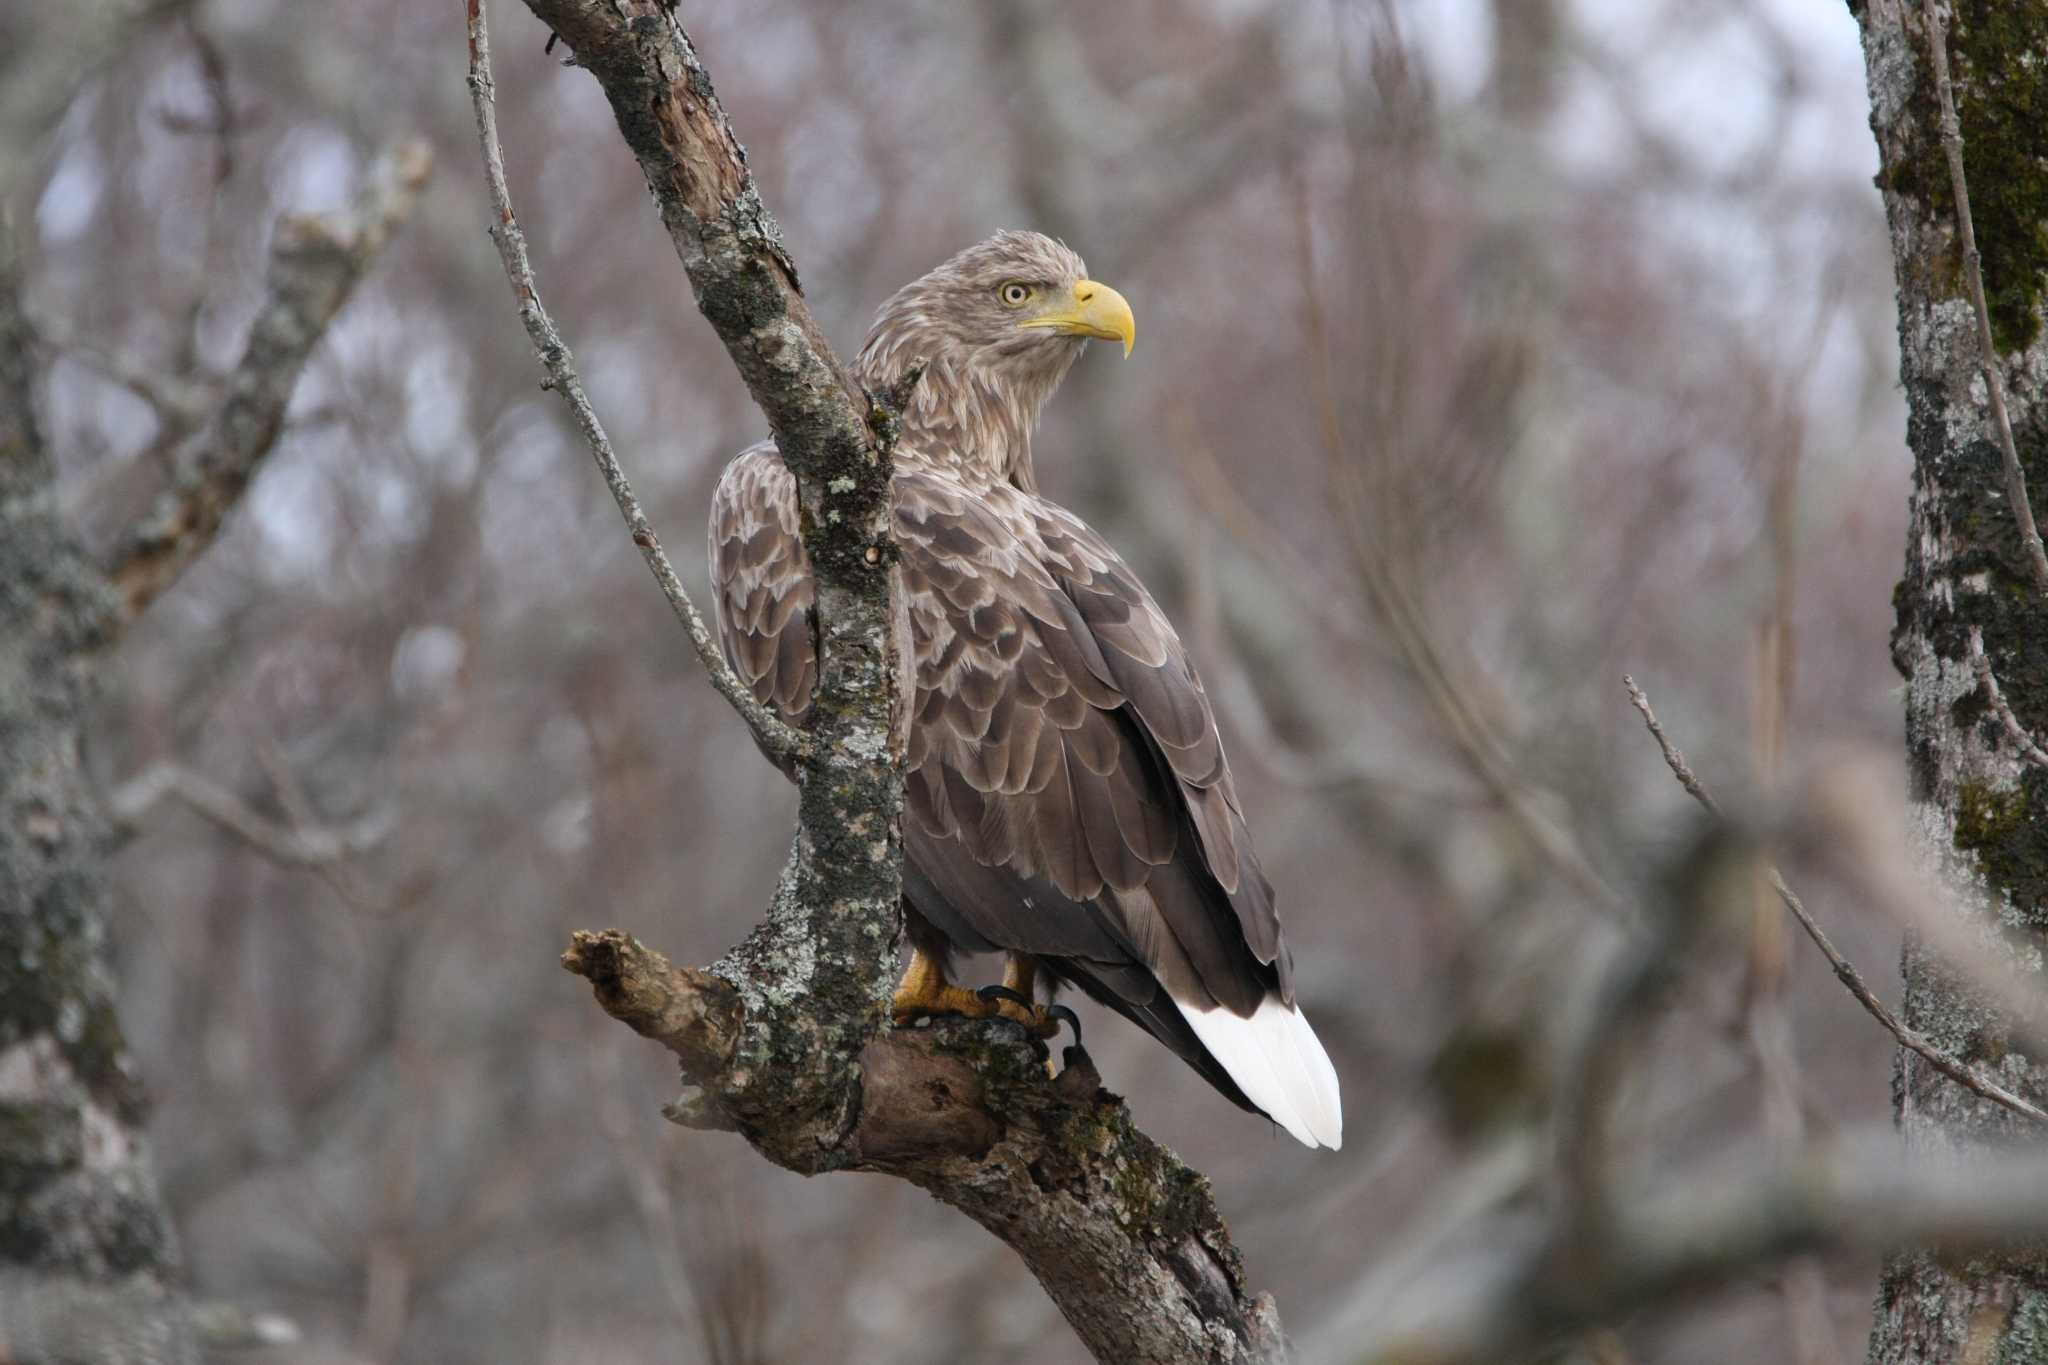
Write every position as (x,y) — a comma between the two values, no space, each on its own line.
(996,328)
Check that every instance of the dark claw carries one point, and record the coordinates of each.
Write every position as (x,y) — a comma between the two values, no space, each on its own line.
(1073,1021)
(1005,993)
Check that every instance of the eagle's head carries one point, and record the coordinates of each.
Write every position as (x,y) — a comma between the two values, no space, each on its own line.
(996,328)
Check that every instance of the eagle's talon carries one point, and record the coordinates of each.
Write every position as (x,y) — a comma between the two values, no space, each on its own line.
(1040,1021)
(1073,1021)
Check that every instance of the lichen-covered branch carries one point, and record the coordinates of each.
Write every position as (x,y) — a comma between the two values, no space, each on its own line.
(315,262)
(783,1039)
(816,974)
(1124,1238)
(1969,577)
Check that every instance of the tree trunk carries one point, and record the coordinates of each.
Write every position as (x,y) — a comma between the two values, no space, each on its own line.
(86,1250)
(1980,805)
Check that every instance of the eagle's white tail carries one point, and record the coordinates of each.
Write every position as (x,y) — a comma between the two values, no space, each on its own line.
(1276,1060)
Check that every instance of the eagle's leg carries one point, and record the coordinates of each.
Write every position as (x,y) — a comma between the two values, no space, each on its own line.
(1020,978)
(925,990)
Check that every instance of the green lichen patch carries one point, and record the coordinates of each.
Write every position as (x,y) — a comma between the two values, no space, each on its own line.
(1986,817)
(2001,90)
(2007,830)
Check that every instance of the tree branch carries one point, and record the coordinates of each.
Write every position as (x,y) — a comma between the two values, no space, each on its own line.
(819,969)
(1966,1074)
(295,842)
(2029,748)
(784,1038)
(315,263)
(769,730)
(1125,1239)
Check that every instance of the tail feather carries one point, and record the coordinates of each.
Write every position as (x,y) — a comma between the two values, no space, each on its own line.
(1277,1061)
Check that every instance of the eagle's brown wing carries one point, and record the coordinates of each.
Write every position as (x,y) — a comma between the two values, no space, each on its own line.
(1067,792)
(762,581)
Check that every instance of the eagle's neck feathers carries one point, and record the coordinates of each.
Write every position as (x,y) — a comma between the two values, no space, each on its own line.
(972,412)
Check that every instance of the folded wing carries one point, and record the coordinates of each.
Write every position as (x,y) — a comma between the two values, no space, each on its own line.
(1067,794)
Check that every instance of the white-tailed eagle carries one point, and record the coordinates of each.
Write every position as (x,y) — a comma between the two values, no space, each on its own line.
(1068,802)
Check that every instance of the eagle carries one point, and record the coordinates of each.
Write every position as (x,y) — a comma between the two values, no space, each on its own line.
(1067,800)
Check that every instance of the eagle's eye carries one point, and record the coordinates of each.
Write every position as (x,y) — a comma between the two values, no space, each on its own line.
(1015,294)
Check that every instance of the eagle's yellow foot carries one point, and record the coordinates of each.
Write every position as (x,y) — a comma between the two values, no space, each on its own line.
(1040,1021)
(925,991)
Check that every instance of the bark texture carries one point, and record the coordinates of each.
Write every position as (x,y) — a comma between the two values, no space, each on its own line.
(784,1038)
(88,1260)
(1123,1236)
(1980,804)
(79,1212)
(816,975)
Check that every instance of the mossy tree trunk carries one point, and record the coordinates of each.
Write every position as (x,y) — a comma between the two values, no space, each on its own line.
(1980,808)
(86,1251)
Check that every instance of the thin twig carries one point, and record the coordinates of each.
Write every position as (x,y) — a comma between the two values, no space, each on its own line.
(1973,273)
(182,402)
(770,730)
(1962,1073)
(299,842)
(2031,751)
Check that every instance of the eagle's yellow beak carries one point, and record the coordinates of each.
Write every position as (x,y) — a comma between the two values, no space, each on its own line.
(1092,310)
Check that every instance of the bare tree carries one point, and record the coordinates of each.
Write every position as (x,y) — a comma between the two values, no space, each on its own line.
(1955,102)
(89,1269)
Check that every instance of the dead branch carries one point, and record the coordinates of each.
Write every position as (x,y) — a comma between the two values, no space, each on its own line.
(1124,1237)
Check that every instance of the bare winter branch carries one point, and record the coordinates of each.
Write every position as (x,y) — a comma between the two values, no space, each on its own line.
(774,736)
(298,842)
(1966,1074)
(1124,1238)
(315,263)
